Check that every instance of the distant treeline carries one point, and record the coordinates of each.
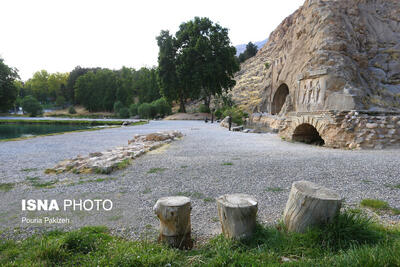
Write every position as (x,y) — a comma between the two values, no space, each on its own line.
(198,62)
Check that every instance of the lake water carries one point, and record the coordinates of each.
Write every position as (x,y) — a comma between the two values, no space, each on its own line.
(15,130)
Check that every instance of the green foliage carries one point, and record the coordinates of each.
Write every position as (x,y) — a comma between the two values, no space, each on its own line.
(124,113)
(71,110)
(236,113)
(197,63)
(31,105)
(6,186)
(144,111)
(374,203)
(349,241)
(267,65)
(204,109)
(60,101)
(8,89)
(162,107)
(251,51)
(118,106)
(133,109)
(96,91)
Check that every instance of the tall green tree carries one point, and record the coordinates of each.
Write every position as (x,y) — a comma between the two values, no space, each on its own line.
(96,91)
(251,51)
(39,86)
(199,62)
(8,90)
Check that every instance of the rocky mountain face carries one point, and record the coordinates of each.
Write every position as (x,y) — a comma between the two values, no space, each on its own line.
(327,55)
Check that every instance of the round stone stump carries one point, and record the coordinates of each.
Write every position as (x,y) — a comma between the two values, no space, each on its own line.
(310,205)
(174,215)
(237,214)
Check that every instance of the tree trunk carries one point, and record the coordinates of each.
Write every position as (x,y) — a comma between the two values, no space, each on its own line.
(182,104)
(237,214)
(174,215)
(310,205)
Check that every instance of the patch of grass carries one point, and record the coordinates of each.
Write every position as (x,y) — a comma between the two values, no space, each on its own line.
(6,186)
(393,186)
(147,190)
(97,180)
(350,240)
(115,218)
(274,189)
(227,164)
(184,166)
(208,199)
(366,181)
(29,170)
(123,164)
(156,170)
(35,182)
(378,205)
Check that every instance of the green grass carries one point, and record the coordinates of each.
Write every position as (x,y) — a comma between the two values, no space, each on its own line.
(6,186)
(378,205)
(97,180)
(147,190)
(227,164)
(29,170)
(274,189)
(350,240)
(35,182)
(393,186)
(156,170)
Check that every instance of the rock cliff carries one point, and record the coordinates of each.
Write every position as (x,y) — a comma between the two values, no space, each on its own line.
(327,55)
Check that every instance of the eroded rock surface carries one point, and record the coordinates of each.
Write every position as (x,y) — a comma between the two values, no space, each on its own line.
(332,55)
(107,161)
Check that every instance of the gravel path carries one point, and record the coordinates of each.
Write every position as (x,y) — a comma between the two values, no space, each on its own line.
(209,161)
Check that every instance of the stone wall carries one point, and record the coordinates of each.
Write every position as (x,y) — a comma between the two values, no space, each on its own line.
(338,129)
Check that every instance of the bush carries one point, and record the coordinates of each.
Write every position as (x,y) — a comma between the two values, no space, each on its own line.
(60,101)
(204,109)
(71,110)
(31,105)
(218,113)
(144,111)
(124,113)
(133,109)
(118,106)
(162,107)
(236,113)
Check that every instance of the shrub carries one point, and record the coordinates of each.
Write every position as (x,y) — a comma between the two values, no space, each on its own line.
(71,110)
(218,113)
(204,109)
(60,101)
(118,106)
(162,107)
(144,111)
(133,109)
(31,105)
(124,113)
(236,113)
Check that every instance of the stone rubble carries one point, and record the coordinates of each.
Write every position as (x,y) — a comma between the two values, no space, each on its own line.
(112,159)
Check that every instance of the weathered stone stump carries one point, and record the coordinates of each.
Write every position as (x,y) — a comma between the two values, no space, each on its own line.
(237,214)
(174,215)
(310,205)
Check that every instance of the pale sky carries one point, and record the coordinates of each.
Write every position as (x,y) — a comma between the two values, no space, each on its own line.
(57,35)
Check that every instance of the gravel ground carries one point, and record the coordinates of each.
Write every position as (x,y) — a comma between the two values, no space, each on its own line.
(207,162)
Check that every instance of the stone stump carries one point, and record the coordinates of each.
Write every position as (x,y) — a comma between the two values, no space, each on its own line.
(310,205)
(174,215)
(237,214)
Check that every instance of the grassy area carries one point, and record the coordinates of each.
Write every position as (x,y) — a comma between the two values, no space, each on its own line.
(156,170)
(378,205)
(6,186)
(351,240)
(274,189)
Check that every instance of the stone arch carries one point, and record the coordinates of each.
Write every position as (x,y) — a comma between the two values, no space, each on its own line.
(279,98)
(307,133)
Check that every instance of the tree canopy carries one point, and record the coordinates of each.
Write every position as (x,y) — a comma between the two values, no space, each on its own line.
(197,63)
(8,89)
(251,51)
